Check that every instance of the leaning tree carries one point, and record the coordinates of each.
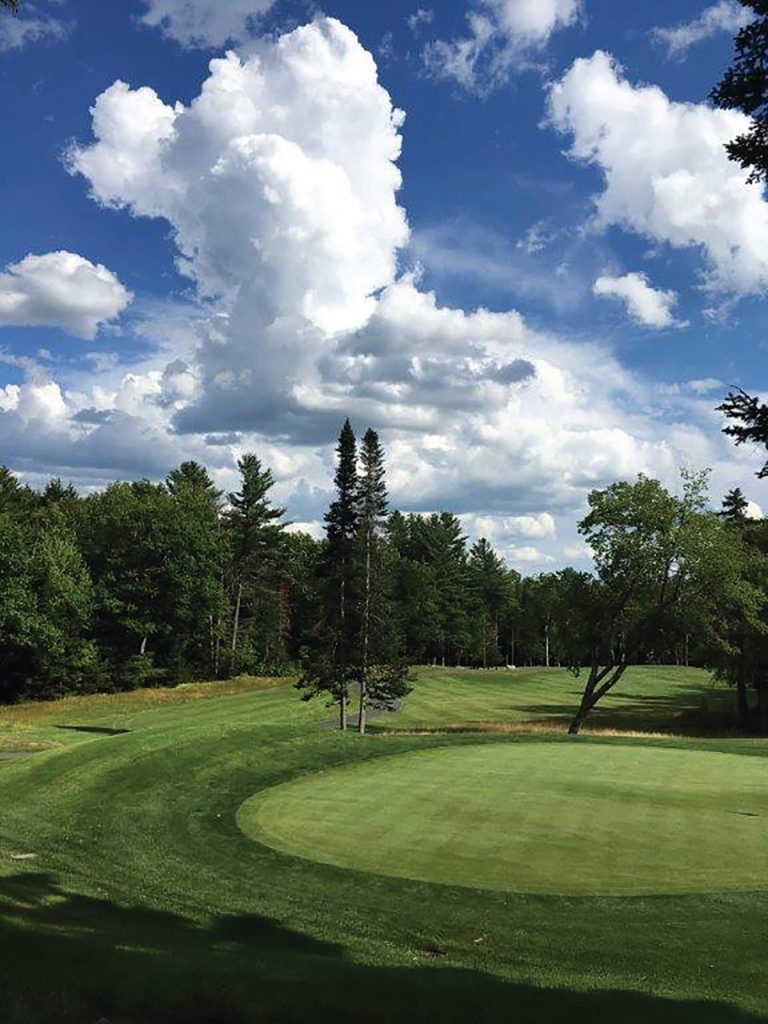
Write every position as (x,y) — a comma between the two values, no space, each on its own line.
(664,565)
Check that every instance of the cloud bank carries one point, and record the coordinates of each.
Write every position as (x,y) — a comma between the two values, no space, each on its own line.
(280,185)
(666,172)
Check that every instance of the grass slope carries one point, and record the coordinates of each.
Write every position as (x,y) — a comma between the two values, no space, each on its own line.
(536,817)
(647,699)
(142,901)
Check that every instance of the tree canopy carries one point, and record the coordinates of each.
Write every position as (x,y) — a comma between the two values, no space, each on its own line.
(748,424)
(745,87)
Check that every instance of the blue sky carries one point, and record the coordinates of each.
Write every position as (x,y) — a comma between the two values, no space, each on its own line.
(204,280)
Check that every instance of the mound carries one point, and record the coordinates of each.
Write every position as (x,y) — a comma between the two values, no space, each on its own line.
(554,818)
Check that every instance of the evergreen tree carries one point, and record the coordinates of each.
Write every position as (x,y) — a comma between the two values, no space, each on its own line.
(65,658)
(489,592)
(19,633)
(445,550)
(199,558)
(16,499)
(745,87)
(383,673)
(735,507)
(331,664)
(125,537)
(414,596)
(373,511)
(748,424)
(255,535)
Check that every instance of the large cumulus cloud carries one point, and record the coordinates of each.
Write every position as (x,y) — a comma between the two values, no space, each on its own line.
(667,174)
(280,184)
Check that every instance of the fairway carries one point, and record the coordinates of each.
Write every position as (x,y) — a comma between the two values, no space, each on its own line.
(412,874)
(540,817)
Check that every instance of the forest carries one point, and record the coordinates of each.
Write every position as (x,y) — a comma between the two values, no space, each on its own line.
(162,583)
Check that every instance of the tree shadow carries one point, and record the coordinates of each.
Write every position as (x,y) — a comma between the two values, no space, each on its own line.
(70,958)
(97,730)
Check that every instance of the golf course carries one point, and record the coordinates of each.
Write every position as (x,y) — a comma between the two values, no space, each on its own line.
(219,853)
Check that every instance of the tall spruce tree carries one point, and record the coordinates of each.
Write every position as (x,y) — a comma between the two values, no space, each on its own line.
(199,563)
(254,531)
(445,550)
(735,507)
(330,664)
(489,591)
(383,670)
(373,511)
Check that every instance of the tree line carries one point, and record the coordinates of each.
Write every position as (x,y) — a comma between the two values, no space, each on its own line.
(160,583)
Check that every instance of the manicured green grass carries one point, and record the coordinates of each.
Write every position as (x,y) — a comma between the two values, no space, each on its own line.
(533,818)
(648,699)
(141,901)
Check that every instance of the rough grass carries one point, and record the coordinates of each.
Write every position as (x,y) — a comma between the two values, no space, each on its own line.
(144,903)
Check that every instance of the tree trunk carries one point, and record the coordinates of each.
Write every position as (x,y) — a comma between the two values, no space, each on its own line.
(236,620)
(601,681)
(343,710)
(743,701)
(143,648)
(217,649)
(366,636)
(762,704)
(546,645)
(343,684)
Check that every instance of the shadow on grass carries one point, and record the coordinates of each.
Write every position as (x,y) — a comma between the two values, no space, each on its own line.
(97,730)
(73,959)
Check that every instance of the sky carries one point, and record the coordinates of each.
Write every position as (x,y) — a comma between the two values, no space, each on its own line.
(503,233)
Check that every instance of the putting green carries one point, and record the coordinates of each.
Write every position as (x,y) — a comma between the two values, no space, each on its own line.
(533,817)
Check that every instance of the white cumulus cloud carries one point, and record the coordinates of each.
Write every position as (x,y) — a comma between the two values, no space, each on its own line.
(667,175)
(503,35)
(60,289)
(280,182)
(724,16)
(652,307)
(204,23)
(280,185)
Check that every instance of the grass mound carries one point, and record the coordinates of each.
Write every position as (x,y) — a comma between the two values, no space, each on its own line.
(542,818)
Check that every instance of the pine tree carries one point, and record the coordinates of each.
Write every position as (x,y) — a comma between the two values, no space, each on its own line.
(254,531)
(489,590)
(444,549)
(373,511)
(199,560)
(330,667)
(383,672)
(735,507)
